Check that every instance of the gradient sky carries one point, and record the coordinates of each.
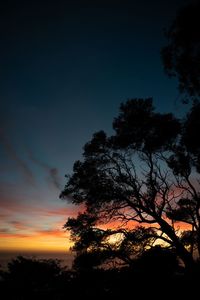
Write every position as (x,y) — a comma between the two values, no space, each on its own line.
(65,67)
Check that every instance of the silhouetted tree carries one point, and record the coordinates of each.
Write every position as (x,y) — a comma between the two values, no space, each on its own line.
(181,57)
(185,163)
(94,246)
(145,173)
(158,261)
(30,278)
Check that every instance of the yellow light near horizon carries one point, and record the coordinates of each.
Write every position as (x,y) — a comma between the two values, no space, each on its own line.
(55,241)
(47,244)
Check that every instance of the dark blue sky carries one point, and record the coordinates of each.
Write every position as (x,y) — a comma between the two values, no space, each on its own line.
(65,67)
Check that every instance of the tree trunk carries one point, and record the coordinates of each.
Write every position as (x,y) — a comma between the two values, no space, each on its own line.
(198,242)
(181,250)
(192,242)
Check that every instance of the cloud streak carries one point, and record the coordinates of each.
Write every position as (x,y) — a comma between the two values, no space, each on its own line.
(4,233)
(19,225)
(53,174)
(11,152)
(14,206)
(55,179)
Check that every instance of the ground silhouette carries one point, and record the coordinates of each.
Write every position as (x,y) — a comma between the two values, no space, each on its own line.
(150,275)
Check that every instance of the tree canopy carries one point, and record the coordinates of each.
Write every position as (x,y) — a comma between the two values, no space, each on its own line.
(145,179)
(181,56)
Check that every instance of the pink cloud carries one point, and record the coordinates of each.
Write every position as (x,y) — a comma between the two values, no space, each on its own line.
(19,225)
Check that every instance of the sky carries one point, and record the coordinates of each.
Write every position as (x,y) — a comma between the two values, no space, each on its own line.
(65,67)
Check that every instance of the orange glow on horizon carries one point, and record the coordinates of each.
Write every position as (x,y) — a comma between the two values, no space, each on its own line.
(34,228)
(52,241)
(40,229)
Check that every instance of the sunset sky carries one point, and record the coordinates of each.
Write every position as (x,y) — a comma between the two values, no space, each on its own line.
(65,68)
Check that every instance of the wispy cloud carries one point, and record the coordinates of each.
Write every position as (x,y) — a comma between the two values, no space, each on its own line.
(72,212)
(12,153)
(13,205)
(53,174)
(4,230)
(6,233)
(11,235)
(19,225)
(4,216)
(53,232)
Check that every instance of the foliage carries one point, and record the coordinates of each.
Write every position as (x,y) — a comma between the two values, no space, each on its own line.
(181,57)
(145,173)
(31,278)
(156,268)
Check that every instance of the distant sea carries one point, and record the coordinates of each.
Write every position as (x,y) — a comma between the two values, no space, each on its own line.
(66,258)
